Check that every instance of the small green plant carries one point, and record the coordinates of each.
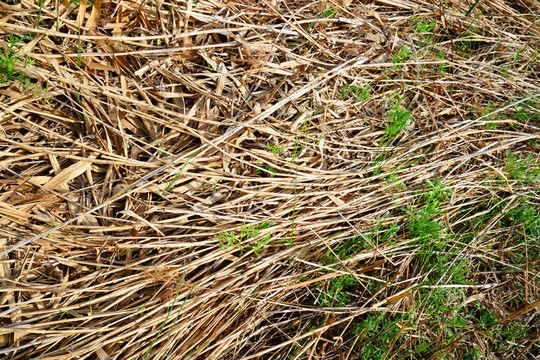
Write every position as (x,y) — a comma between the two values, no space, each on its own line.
(301,141)
(9,57)
(336,295)
(177,176)
(355,92)
(275,149)
(443,68)
(422,25)
(402,56)
(266,170)
(491,125)
(423,224)
(66,315)
(380,234)
(528,111)
(365,93)
(376,332)
(167,318)
(399,118)
(230,239)
(344,91)
(522,168)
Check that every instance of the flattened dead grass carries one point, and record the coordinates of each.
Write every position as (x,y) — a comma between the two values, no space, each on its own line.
(269,179)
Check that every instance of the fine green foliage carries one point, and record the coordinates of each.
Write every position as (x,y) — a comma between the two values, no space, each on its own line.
(398,117)
(9,58)
(355,92)
(229,239)
(275,149)
(524,169)
(402,56)
(265,170)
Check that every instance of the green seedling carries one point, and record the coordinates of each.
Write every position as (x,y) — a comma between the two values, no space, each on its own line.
(9,57)
(266,170)
(324,14)
(521,168)
(399,117)
(336,295)
(422,25)
(65,314)
(402,56)
(229,239)
(422,221)
(275,149)
(355,92)
(39,13)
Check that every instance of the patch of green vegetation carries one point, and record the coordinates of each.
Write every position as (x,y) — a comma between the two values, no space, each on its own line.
(443,316)
(525,169)
(467,44)
(230,239)
(491,125)
(381,233)
(443,68)
(355,92)
(528,111)
(264,170)
(422,220)
(335,290)
(424,27)
(456,324)
(328,13)
(336,294)
(525,112)
(399,118)
(528,217)
(275,149)
(377,332)
(422,24)
(9,57)
(402,56)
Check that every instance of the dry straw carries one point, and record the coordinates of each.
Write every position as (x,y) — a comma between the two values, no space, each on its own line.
(173,175)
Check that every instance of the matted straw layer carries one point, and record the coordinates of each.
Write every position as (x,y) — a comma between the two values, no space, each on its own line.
(258,179)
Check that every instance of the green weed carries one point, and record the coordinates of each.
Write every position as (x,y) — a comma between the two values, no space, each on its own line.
(443,68)
(328,13)
(230,239)
(177,176)
(402,56)
(9,57)
(264,170)
(399,118)
(336,294)
(355,92)
(521,168)
(422,221)
(275,149)
(422,25)
(528,111)
(167,318)
(376,333)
